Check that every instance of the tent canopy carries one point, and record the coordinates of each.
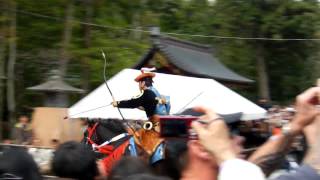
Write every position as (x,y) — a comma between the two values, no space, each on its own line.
(185,92)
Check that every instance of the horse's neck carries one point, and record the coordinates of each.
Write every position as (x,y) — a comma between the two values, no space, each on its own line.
(104,134)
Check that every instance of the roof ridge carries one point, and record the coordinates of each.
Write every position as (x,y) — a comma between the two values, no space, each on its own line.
(185,43)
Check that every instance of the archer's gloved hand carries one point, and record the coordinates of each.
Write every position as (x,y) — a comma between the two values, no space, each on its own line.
(114,103)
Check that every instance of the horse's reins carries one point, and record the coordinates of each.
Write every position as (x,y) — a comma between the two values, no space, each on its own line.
(116,138)
(95,146)
(91,130)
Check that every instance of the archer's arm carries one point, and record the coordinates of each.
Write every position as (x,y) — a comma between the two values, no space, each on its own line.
(132,103)
(137,102)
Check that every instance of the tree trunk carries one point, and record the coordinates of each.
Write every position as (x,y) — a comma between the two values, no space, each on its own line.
(87,43)
(136,21)
(2,76)
(136,25)
(66,38)
(2,64)
(88,19)
(11,65)
(263,80)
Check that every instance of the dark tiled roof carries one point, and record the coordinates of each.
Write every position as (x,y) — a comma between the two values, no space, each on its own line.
(194,59)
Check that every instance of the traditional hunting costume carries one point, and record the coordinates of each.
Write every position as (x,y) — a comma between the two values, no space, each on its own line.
(152,103)
(149,100)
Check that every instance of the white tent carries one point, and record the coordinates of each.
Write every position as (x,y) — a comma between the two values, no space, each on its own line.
(185,92)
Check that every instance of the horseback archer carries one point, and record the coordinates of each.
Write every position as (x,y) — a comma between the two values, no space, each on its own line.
(152,103)
(150,99)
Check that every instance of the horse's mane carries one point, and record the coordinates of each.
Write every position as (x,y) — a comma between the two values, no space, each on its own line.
(106,129)
(114,125)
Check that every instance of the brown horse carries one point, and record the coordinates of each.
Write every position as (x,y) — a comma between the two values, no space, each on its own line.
(111,140)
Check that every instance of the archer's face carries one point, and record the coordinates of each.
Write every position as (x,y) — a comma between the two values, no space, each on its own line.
(141,85)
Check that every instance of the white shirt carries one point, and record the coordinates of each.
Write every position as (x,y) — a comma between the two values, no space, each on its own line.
(240,170)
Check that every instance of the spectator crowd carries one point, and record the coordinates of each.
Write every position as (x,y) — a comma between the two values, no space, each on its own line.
(287,148)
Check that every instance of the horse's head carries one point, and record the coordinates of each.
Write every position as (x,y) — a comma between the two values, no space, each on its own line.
(99,131)
(108,129)
(110,141)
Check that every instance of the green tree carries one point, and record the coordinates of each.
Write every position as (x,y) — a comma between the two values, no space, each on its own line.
(12,54)
(275,61)
(3,43)
(282,65)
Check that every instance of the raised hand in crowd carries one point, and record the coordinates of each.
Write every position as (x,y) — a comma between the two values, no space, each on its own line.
(306,109)
(310,167)
(312,134)
(214,136)
(270,155)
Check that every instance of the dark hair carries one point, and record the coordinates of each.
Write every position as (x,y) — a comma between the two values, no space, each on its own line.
(18,163)
(24,116)
(73,160)
(148,81)
(175,158)
(114,125)
(128,166)
(146,177)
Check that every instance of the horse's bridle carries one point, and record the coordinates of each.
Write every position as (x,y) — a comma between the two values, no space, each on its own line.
(105,147)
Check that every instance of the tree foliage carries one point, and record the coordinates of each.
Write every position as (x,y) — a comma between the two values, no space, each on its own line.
(291,65)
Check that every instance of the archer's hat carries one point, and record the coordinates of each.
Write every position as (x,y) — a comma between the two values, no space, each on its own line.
(145,72)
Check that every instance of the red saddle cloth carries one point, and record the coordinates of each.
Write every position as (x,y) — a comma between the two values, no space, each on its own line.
(113,153)
(114,156)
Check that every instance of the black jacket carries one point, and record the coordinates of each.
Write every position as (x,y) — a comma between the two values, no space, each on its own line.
(147,100)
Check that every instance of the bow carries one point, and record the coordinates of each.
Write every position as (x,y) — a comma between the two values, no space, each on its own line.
(105,81)
(189,102)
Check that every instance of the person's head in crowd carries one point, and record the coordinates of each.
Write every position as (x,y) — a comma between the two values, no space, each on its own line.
(233,122)
(264,103)
(7,141)
(23,119)
(16,163)
(288,113)
(263,100)
(74,160)
(128,166)
(146,177)
(274,109)
(175,158)
(187,159)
